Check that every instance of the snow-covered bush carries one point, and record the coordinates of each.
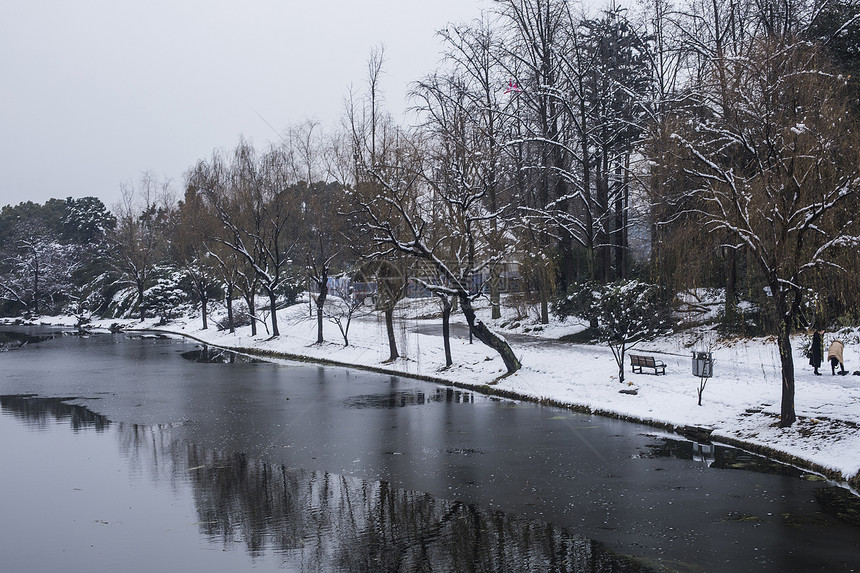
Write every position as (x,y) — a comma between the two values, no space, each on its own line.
(289,291)
(622,314)
(241,317)
(166,297)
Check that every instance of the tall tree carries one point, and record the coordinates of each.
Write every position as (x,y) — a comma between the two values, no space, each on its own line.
(471,92)
(321,229)
(538,32)
(399,220)
(192,228)
(616,83)
(255,199)
(376,145)
(766,174)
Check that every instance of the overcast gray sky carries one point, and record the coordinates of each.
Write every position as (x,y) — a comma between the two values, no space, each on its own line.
(93,92)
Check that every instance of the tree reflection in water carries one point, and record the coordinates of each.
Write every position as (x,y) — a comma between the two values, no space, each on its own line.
(412,397)
(38,412)
(12,339)
(214,355)
(318,521)
(325,522)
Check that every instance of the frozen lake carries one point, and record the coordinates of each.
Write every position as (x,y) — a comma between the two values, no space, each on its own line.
(142,454)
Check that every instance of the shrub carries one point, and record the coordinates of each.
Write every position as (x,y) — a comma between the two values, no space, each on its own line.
(622,314)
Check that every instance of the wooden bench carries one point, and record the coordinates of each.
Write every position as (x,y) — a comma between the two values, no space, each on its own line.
(639,361)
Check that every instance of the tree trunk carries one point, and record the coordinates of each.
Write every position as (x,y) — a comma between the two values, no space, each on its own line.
(273,305)
(389,328)
(619,351)
(320,338)
(446,328)
(786,414)
(543,293)
(495,297)
(204,308)
(625,221)
(618,227)
(140,301)
(602,207)
(488,337)
(252,309)
(230,322)
(731,287)
(320,302)
(36,288)
(587,206)
(344,330)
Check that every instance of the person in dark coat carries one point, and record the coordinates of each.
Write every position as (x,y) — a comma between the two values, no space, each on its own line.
(816,351)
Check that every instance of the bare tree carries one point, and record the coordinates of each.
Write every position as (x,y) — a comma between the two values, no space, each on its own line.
(470,93)
(138,239)
(214,182)
(321,229)
(767,176)
(193,226)
(255,200)
(374,144)
(399,221)
(537,33)
(342,308)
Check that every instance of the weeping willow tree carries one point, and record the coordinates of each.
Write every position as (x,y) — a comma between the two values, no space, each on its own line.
(776,166)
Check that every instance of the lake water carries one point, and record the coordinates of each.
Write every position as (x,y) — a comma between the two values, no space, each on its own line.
(142,454)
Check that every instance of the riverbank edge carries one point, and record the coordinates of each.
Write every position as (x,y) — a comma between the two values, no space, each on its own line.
(694,433)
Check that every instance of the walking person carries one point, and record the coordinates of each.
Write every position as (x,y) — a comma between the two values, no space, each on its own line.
(834,355)
(816,351)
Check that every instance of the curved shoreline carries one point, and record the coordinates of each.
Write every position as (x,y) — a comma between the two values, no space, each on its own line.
(693,433)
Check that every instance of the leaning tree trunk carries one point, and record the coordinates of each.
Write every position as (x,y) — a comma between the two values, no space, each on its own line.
(488,337)
(345,333)
(389,328)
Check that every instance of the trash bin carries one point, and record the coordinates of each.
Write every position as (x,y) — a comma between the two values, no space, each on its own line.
(703,364)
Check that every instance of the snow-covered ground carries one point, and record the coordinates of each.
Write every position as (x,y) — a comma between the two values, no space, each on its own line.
(741,403)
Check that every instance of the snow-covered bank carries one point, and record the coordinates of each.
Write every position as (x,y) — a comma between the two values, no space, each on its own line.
(740,403)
